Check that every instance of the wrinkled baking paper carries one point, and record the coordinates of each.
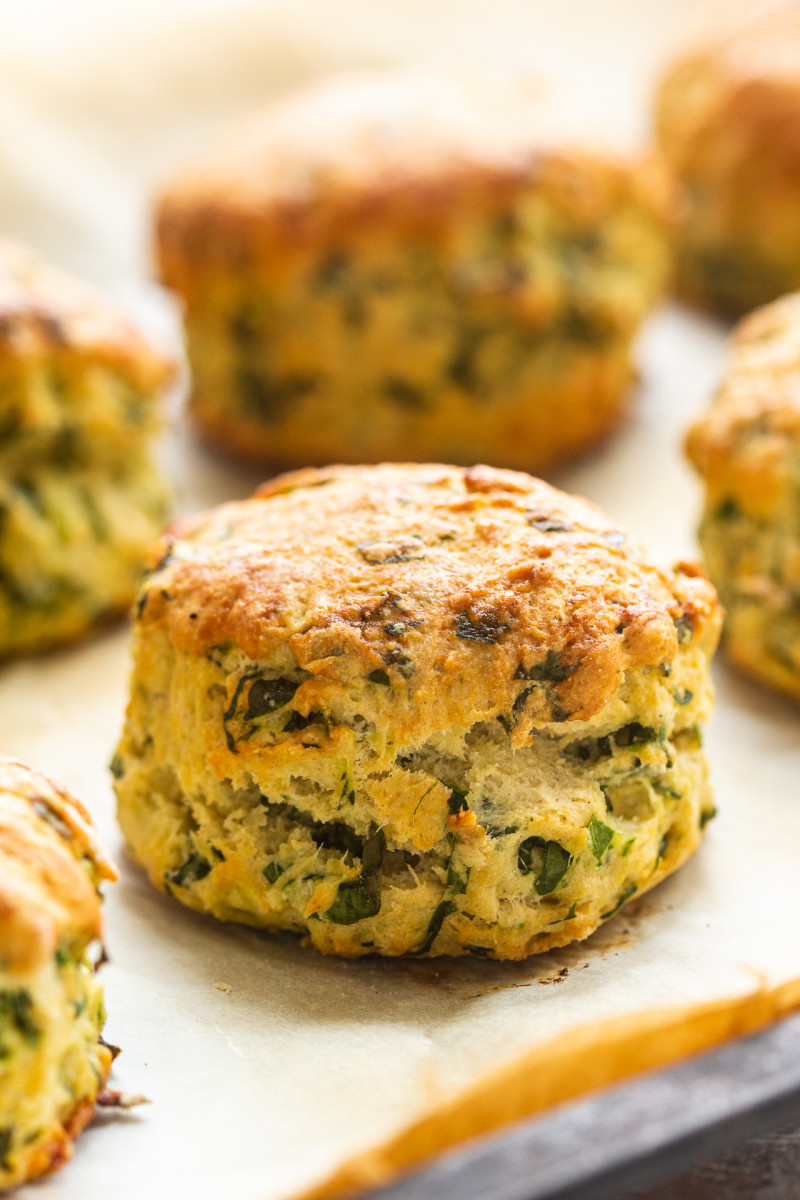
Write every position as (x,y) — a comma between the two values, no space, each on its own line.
(268,1066)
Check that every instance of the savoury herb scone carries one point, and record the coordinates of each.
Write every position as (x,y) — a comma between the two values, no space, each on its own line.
(747,450)
(390,266)
(415,710)
(53,1061)
(728,121)
(80,496)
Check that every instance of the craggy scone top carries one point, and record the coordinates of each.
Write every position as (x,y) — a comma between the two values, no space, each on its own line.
(46,314)
(748,76)
(430,597)
(50,869)
(744,443)
(401,151)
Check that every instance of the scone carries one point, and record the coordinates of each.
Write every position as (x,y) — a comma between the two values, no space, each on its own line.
(728,122)
(80,495)
(392,266)
(747,450)
(415,710)
(53,1061)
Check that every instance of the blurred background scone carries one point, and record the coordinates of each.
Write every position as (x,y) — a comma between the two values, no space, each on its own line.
(80,495)
(53,1062)
(747,450)
(391,266)
(728,121)
(415,709)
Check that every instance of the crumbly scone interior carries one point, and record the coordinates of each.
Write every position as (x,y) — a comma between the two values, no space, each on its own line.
(463,843)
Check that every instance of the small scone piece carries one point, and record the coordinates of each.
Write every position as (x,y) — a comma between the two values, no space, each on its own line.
(53,1061)
(747,450)
(389,265)
(728,122)
(80,495)
(415,710)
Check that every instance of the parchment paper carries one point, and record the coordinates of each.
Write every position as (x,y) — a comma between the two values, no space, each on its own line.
(264,1086)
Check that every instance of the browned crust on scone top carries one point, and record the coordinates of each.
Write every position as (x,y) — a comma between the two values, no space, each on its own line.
(761,388)
(391,151)
(745,78)
(50,867)
(473,575)
(46,313)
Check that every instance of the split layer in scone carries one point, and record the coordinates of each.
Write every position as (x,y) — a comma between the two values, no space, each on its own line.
(388,265)
(53,1061)
(746,448)
(80,494)
(415,709)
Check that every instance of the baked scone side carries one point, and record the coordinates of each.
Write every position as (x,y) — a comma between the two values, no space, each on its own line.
(509,330)
(394,772)
(81,496)
(52,1059)
(71,418)
(402,152)
(52,1064)
(45,311)
(728,123)
(72,543)
(746,448)
(274,847)
(407,303)
(78,382)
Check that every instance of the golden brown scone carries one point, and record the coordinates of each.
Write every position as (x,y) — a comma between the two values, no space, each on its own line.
(387,265)
(415,710)
(53,1062)
(80,496)
(728,122)
(747,450)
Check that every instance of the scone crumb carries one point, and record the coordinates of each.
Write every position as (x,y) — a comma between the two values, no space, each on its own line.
(224,987)
(109,1098)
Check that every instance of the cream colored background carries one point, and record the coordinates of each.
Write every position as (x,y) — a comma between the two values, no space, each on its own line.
(264,1089)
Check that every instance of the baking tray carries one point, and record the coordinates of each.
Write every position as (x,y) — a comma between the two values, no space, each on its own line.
(630,1136)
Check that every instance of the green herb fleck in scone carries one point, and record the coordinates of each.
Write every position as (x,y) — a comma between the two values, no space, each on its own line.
(386,265)
(746,447)
(80,496)
(415,710)
(53,1061)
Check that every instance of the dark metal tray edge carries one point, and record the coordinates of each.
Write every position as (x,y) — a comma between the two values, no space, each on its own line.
(631,1135)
